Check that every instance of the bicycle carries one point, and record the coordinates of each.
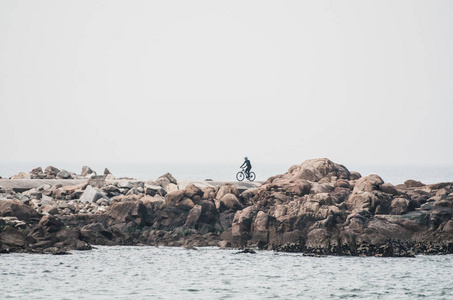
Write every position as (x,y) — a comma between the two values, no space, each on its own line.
(241,175)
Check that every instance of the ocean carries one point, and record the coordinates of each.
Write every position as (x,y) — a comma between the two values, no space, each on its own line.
(144,272)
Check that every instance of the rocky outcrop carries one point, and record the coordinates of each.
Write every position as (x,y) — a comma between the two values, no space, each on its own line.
(52,172)
(318,208)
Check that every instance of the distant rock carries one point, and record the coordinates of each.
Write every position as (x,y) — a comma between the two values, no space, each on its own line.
(87,171)
(21,175)
(63,174)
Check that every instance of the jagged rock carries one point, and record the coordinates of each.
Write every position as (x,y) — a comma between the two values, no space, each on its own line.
(91,195)
(51,223)
(128,214)
(86,171)
(63,174)
(51,171)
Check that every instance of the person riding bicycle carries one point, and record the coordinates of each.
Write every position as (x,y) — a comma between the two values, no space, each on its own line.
(248,166)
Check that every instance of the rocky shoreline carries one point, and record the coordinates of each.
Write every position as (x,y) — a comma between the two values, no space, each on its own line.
(316,208)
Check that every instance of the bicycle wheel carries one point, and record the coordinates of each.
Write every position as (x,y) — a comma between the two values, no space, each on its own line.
(252,176)
(240,176)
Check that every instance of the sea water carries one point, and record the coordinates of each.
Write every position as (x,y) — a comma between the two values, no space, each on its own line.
(144,272)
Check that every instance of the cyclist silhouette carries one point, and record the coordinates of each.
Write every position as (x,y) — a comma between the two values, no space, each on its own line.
(248,166)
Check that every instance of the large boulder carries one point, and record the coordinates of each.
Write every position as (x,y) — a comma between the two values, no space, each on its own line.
(316,169)
(368,184)
(174,197)
(12,238)
(15,208)
(91,195)
(51,223)
(192,190)
(243,220)
(51,172)
(63,174)
(413,183)
(194,215)
(228,201)
(129,213)
(227,188)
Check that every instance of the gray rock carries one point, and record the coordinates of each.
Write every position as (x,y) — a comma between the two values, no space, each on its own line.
(50,170)
(91,195)
(63,174)
(153,190)
(124,184)
(44,187)
(87,171)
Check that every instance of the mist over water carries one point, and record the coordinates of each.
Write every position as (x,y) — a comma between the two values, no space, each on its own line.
(144,272)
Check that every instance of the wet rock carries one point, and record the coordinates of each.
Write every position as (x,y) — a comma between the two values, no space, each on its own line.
(12,238)
(246,251)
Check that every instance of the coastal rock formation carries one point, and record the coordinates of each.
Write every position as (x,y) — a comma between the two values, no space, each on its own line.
(318,207)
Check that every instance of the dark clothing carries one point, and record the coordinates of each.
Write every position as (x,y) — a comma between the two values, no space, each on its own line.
(248,166)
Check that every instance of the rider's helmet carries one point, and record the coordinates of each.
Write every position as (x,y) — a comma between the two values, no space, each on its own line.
(245,157)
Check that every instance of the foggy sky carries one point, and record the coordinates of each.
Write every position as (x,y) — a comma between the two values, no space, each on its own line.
(213,81)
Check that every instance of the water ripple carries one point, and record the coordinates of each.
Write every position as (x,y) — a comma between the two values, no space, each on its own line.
(211,273)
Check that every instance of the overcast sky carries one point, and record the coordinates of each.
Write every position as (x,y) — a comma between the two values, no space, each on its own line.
(212,81)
